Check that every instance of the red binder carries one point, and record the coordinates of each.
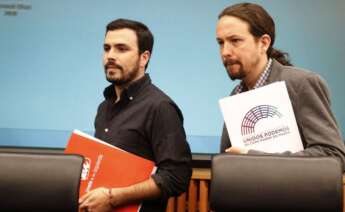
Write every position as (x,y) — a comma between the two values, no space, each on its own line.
(108,166)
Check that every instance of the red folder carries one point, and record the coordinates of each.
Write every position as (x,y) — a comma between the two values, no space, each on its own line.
(108,166)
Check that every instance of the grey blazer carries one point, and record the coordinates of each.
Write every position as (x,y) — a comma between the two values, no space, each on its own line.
(310,100)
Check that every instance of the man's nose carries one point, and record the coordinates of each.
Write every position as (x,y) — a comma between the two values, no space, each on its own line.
(111,55)
(227,50)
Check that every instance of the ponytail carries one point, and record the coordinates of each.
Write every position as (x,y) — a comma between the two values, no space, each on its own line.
(281,57)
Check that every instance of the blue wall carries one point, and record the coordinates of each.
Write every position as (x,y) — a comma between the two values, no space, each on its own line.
(52,76)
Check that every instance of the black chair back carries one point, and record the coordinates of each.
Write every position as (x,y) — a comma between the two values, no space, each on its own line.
(39,182)
(275,183)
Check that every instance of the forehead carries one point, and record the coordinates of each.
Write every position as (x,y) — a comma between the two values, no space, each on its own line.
(121,36)
(230,25)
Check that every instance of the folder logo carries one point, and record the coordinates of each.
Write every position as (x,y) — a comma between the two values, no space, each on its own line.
(263,123)
(254,115)
(86,169)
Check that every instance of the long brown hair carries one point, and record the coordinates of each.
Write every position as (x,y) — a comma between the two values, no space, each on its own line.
(260,23)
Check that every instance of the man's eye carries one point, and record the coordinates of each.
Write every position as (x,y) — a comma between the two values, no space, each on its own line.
(106,48)
(236,40)
(122,49)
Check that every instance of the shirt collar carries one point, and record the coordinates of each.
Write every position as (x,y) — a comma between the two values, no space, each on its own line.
(260,82)
(131,92)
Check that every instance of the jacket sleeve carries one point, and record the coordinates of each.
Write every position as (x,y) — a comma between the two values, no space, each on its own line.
(318,128)
(225,140)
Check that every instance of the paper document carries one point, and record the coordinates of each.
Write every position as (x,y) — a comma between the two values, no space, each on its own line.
(262,119)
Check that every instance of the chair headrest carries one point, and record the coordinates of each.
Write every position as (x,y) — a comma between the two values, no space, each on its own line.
(275,183)
(39,182)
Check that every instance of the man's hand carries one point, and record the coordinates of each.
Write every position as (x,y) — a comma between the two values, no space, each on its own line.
(101,200)
(237,150)
(96,200)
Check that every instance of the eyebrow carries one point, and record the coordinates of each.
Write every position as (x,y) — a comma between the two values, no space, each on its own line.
(232,36)
(116,45)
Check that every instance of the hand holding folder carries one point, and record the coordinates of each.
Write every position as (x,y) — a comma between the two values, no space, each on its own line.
(108,166)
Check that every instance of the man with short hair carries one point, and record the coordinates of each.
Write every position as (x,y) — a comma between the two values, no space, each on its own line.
(138,117)
(246,34)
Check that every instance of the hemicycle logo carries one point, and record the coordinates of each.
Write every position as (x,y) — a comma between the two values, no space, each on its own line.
(254,115)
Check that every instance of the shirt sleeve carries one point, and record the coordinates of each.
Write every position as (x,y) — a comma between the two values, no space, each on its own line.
(171,150)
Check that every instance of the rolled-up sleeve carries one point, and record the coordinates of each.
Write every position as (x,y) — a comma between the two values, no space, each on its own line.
(171,150)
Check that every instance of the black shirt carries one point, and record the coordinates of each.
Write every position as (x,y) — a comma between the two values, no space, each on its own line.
(148,123)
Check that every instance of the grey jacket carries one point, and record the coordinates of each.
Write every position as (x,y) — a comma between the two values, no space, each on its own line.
(310,100)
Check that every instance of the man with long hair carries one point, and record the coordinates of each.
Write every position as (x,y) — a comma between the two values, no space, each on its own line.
(246,35)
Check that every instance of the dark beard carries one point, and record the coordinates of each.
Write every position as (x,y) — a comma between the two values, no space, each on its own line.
(126,79)
(240,75)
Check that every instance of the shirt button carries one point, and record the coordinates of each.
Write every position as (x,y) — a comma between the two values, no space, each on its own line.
(106,130)
(131,98)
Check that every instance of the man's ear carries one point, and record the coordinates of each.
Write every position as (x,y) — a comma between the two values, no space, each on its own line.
(144,58)
(265,42)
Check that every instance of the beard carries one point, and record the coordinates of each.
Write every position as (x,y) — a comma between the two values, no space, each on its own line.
(239,74)
(126,76)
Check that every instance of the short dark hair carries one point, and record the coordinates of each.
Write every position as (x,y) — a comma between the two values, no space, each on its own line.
(260,23)
(144,35)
